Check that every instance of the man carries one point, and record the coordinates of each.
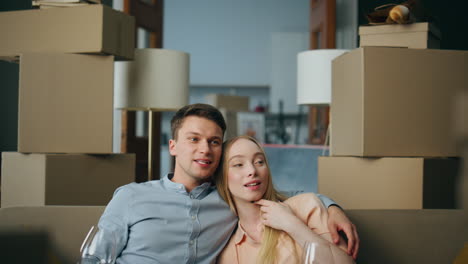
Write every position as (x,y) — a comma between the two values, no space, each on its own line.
(181,218)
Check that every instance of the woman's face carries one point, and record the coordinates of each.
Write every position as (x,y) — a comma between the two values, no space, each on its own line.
(247,171)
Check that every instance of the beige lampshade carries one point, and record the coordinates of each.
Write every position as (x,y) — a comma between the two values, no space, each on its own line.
(314,76)
(157,79)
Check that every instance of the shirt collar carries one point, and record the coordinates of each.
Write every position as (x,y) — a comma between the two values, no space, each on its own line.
(180,188)
(240,235)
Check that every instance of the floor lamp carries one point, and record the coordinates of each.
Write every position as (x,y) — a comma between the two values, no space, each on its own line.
(156,80)
(314,78)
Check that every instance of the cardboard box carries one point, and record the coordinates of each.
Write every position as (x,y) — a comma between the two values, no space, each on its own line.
(409,236)
(389,183)
(415,36)
(66,227)
(85,29)
(228,102)
(65,103)
(63,179)
(244,123)
(460,116)
(395,101)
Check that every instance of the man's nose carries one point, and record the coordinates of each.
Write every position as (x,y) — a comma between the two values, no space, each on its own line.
(204,147)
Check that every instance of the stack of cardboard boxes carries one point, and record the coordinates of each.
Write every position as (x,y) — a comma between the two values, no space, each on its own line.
(392,143)
(66,60)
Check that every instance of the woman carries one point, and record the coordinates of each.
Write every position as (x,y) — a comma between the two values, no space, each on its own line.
(272,228)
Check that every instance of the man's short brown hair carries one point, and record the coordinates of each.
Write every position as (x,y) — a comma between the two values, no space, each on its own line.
(200,110)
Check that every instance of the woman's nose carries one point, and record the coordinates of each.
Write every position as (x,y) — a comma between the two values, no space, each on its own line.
(251,170)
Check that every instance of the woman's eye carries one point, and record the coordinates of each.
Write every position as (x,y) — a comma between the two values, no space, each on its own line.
(260,162)
(237,165)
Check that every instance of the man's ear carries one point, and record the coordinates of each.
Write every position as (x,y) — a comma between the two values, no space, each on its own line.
(172,145)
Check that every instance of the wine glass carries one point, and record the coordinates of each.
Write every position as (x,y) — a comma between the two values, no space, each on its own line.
(316,253)
(308,253)
(99,247)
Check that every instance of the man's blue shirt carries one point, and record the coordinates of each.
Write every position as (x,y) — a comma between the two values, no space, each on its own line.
(160,222)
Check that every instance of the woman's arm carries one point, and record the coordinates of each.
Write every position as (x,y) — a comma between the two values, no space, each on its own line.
(310,225)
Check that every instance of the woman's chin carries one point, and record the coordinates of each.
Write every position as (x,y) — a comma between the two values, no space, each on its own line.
(254,199)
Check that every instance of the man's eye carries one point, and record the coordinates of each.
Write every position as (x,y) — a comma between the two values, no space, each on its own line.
(193,139)
(215,142)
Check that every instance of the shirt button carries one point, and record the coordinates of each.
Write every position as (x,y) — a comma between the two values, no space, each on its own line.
(194,217)
(191,242)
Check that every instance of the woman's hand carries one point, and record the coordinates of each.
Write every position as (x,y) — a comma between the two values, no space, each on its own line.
(278,215)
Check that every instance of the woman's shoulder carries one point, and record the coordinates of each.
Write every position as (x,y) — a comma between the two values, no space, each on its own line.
(304,203)
(302,198)
(310,209)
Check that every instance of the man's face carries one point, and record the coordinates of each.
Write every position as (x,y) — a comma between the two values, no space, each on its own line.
(197,149)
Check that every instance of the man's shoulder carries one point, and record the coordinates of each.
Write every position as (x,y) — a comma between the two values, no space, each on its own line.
(138,187)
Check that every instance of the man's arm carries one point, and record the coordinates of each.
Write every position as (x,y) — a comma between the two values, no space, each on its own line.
(338,221)
(113,224)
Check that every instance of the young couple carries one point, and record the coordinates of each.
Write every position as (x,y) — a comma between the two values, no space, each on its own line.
(182,218)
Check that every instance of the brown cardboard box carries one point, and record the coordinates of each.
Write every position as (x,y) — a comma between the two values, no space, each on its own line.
(389,183)
(460,116)
(229,102)
(84,29)
(460,121)
(409,236)
(65,103)
(415,36)
(244,123)
(395,101)
(66,226)
(231,123)
(63,179)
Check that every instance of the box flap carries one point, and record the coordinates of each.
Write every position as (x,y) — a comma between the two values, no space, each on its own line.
(398,28)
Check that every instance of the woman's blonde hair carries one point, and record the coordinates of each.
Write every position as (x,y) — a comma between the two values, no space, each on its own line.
(270,237)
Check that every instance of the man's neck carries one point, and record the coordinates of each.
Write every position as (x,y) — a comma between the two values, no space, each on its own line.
(189,182)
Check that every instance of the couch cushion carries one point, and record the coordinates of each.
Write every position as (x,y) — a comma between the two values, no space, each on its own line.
(66,226)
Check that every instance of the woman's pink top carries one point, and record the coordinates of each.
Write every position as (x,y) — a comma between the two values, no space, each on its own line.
(242,249)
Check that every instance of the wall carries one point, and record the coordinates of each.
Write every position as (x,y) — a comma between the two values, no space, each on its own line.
(230,46)
(346,24)
(230,40)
